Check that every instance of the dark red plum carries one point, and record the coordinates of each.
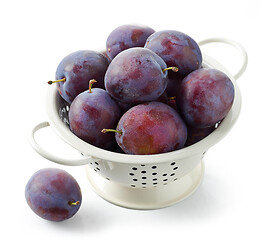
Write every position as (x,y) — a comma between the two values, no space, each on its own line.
(127,36)
(89,113)
(136,75)
(77,69)
(150,128)
(176,49)
(206,96)
(53,194)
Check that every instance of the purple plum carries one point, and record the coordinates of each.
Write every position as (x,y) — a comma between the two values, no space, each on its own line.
(176,49)
(90,112)
(136,75)
(127,36)
(53,194)
(150,128)
(206,96)
(77,69)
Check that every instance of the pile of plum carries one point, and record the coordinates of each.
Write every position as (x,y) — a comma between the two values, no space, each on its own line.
(147,93)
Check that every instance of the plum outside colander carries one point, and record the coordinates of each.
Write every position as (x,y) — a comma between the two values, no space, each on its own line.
(141,181)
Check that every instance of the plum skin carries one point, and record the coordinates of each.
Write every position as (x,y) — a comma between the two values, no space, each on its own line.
(49,193)
(135,75)
(151,128)
(205,97)
(89,113)
(127,36)
(78,68)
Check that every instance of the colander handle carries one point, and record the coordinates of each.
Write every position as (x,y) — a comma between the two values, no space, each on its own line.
(44,153)
(238,46)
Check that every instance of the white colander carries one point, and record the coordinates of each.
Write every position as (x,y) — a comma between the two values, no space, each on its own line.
(141,181)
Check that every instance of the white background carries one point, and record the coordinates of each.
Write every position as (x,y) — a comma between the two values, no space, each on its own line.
(237,199)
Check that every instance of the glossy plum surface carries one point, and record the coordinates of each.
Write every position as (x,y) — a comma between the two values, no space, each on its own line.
(127,36)
(151,128)
(53,194)
(78,68)
(206,96)
(135,75)
(176,49)
(89,113)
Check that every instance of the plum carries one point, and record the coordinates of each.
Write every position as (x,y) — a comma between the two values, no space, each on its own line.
(176,49)
(90,112)
(136,75)
(127,36)
(76,70)
(150,128)
(53,194)
(206,96)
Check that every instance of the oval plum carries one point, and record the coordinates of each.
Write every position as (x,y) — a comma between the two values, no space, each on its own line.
(53,194)
(206,96)
(176,49)
(127,36)
(136,75)
(151,128)
(77,69)
(90,112)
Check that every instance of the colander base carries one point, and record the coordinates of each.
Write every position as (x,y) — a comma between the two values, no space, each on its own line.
(146,198)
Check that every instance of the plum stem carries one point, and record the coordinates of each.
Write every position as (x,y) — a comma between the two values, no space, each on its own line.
(92,81)
(73,203)
(111,130)
(171,98)
(174,69)
(60,80)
